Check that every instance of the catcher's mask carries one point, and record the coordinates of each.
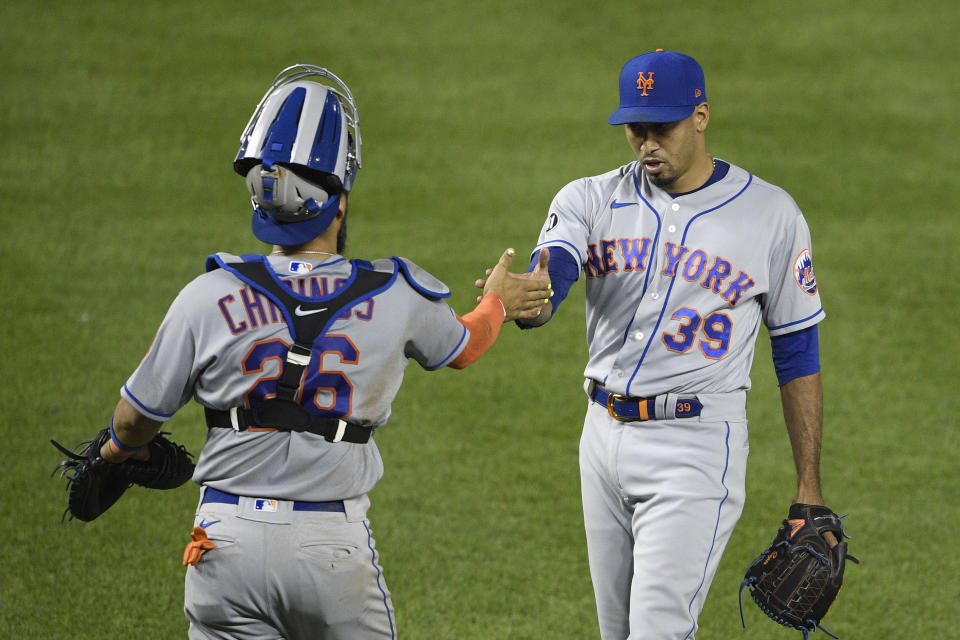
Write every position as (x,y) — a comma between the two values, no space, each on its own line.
(299,152)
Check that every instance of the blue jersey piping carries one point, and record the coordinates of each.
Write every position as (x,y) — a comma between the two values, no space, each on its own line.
(549,243)
(673,280)
(716,527)
(790,324)
(383,591)
(144,407)
(446,358)
(656,239)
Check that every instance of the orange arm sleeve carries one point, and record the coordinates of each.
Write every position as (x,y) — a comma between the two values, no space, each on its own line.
(484,324)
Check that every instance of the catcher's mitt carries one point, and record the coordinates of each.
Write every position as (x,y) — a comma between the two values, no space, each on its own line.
(798,577)
(95,484)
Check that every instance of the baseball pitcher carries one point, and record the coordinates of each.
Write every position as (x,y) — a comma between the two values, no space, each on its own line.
(684,256)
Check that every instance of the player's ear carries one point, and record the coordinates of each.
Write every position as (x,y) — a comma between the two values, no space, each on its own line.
(343,204)
(701,116)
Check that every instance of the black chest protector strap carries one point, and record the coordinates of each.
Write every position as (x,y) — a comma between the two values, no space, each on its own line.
(307,321)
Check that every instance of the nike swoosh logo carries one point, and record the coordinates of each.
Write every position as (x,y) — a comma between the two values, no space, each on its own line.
(204,524)
(300,311)
(617,205)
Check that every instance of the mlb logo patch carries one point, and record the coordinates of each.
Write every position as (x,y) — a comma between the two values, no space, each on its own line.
(300,267)
(265,505)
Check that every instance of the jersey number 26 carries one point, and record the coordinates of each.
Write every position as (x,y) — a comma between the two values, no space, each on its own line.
(323,393)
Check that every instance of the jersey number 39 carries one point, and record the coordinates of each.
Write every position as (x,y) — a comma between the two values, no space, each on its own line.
(716,328)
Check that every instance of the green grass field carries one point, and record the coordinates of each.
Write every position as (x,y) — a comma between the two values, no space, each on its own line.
(119,122)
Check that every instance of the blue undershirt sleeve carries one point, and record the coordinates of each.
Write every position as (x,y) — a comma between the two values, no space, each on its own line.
(563,270)
(796,354)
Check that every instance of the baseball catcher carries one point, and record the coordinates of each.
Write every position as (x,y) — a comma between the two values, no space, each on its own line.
(95,484)
(290,404)
(796,579)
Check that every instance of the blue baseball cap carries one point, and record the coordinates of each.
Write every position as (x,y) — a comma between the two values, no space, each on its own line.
(659,86)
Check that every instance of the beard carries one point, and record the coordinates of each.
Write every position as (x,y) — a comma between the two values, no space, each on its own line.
(662,181)
(664,178)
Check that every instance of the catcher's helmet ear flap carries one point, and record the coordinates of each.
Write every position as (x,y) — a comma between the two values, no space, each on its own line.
(299,150)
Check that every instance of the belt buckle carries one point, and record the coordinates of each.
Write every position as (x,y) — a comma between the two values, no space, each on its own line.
(611,398)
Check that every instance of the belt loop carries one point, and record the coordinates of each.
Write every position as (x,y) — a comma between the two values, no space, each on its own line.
(341,428)
(666,406)
(233,419)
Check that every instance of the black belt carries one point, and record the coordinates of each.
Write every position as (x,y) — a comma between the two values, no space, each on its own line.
(286,415)
(627,409)
(267,504)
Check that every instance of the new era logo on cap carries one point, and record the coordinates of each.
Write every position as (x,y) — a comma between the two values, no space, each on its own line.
(659,86)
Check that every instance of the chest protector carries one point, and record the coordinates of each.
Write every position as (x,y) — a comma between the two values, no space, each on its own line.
(307,320)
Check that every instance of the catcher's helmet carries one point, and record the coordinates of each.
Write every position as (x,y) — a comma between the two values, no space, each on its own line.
(299,152)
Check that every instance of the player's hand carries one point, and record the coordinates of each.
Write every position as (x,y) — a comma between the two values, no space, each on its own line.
(812,496)
(523,294)
(540,271)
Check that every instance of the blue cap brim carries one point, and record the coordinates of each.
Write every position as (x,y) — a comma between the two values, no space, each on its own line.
(626,115)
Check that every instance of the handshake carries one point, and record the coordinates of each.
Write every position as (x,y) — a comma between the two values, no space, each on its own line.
(525,296)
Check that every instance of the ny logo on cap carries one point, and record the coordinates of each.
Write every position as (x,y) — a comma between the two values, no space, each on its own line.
(644,84)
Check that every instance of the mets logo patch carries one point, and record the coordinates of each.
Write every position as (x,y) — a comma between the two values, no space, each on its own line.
(803,272)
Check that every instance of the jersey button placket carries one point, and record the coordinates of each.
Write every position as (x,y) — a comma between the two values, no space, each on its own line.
(649,306)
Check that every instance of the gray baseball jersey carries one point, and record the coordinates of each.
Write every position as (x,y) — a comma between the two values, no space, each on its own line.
(677,287)
(676,291)
(222,343)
